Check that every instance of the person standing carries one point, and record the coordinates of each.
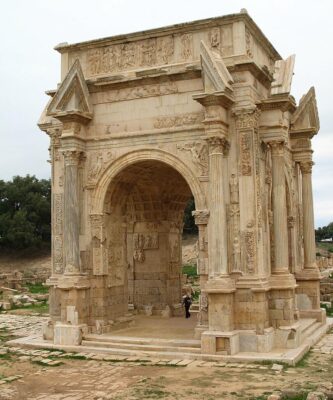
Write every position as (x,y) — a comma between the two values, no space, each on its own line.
(187,301)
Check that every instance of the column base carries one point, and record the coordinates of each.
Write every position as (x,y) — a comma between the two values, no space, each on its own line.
(308,294)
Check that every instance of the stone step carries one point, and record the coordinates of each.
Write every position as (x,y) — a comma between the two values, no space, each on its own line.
(306,323)
(310,330)
(143,341)
(142,347)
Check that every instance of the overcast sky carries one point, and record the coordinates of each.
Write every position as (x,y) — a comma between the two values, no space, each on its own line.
(29,65)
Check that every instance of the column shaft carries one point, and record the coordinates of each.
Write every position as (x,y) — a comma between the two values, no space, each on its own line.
(279,209)
(217,227)
(71,213)
(308,218)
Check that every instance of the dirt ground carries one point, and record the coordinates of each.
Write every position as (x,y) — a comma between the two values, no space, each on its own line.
(25,376)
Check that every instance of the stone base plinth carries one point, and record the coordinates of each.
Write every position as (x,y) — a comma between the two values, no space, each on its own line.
(70,335)
(253,342)
(217,342)
(319,314)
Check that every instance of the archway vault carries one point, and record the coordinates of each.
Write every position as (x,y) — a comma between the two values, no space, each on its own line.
(136,156)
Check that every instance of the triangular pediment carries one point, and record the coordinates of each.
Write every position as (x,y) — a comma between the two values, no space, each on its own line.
(216,76)
(306,116)
(283,75)
(72,96)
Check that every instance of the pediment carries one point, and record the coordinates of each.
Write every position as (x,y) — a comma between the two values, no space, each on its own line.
(283,75)
(216,77)
(72,97)
(306,116)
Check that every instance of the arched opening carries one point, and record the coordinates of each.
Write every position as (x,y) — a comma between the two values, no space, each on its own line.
(144,216)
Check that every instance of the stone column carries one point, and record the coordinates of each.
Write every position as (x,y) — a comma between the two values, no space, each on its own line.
(280,227)
(71,212)
(217,227)
(308,218)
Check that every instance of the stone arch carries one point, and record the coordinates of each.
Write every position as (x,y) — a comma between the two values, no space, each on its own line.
(130,158)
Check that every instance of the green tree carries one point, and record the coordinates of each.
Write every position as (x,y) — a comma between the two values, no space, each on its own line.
(189,224)
(325,232)
(25,212)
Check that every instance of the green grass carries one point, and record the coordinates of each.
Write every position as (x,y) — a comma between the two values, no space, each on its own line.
(303,362)
(190,270)
(37,288)
(5,356)
(329,310)
(42,308)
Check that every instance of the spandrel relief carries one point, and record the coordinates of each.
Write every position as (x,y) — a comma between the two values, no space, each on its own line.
(199,153)
(97,163)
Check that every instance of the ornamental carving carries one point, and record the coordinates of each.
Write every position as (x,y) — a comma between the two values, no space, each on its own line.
(250,250)
(179,120)
(245,154)
(247,120)
(248,43)
(199,153)
(58,254)
(58,213)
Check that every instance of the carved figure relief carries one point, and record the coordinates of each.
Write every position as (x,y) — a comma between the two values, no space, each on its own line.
(234,189)
(144,241)
(165,49)
(249,43)
(215,38)
(174,248)
(97,163)
(236,255)
(179,120)
(141,53)
(186,41)
(199,153)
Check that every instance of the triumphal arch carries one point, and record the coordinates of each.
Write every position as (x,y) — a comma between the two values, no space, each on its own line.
(140,123)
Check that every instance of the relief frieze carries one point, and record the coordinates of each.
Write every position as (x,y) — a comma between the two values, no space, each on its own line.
(142,53)
(178,120)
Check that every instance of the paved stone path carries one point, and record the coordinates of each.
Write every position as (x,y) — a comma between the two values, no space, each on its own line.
(325,345)
(22,325)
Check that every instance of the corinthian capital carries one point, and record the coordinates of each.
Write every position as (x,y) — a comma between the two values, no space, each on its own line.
(306,167)
(73,157)
(218,145)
